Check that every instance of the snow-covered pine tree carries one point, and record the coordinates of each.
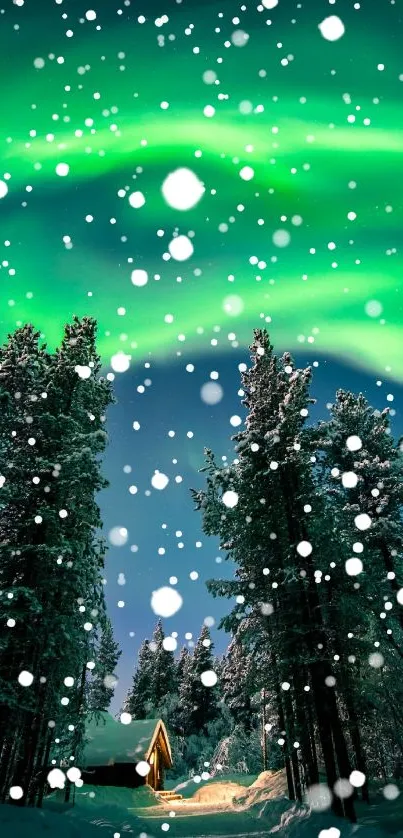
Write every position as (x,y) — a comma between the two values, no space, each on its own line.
(238,682)
(23,377)
(103,682)
(78,398)
(181,666)
(56,405)
(185,689)
(154,687)
(361,474)
(199,703)
(364,475)
(163,668)
(139,698)
(260,508)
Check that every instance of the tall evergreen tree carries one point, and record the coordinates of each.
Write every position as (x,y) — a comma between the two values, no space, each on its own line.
(360,473)
(199,703)
(103,682)
(181,666)
(259,506)
(23,379)
(237,682)
(163,668)
(139,699)
(363,473)
(51,560)
(185,688)
(154,680)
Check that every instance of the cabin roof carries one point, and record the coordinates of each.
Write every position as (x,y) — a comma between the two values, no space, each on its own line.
(109,741)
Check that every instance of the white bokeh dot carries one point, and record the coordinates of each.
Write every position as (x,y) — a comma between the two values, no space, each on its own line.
(304,548)
(362,521)
(166,601)
(182,189)
(208,678)
(181,248)
(354,566)
(139,277)
(211,392)
(159,480)
(332,28)
(230,499)
(25,678)
(16,792)
(143,768)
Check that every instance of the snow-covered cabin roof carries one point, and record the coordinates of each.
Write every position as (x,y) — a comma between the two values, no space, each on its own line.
(109,742)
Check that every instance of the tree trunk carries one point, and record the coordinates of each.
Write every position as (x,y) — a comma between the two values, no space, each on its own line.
(34,785)
(340,747)
(44,769)
(22,757)
(291,738)
(325,736)
(306,733)
(311,728)
(32,757)
(281,721)
(264,734)
(355,735)
(7,761)
(67,791)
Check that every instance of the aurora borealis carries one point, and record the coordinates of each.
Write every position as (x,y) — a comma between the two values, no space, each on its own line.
(119,91)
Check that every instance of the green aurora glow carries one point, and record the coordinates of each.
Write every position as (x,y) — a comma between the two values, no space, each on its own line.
(304,168)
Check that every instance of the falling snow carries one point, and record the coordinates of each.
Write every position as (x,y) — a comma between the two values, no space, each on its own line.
(185,179)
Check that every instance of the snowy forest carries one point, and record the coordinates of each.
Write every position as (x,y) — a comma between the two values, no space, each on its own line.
(310,517)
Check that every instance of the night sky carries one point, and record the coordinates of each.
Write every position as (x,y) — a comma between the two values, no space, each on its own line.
(290,212)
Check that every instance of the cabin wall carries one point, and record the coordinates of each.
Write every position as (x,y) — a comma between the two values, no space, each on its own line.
(123,775)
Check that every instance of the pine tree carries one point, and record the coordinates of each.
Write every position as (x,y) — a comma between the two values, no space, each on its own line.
(163,668)
(154,681)
(366,477)
(259,506)
(23,377)
(103,683)
(139,699)
(51,561)
(200,703)
(78,397)
(186,701)
(361,471)
(237,682)
(181,666)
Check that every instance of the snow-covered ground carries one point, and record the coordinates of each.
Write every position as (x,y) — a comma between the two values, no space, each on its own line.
(216,809)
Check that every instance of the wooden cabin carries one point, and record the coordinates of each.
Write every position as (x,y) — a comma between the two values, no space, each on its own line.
(113,750)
